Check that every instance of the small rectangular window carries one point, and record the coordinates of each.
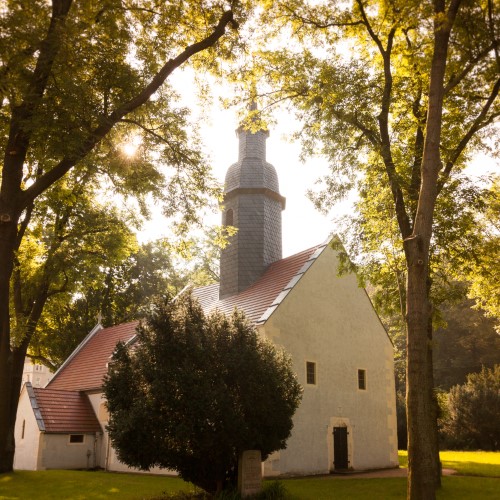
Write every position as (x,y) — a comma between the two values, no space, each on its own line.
(23,429)
(76,438)
(311,372)
(362,379)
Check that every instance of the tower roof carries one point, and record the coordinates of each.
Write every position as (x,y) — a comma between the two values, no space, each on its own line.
(252,174)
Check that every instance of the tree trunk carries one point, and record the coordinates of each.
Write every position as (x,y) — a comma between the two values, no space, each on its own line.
(423,452)
(9,391)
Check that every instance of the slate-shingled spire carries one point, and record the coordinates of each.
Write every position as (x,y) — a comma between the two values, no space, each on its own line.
(253,204)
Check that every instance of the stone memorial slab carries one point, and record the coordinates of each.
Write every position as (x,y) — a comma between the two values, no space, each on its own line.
(249,473)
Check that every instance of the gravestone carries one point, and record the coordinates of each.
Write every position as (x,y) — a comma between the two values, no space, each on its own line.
(249,473)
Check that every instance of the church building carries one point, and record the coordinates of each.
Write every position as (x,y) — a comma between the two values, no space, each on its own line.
(341,353)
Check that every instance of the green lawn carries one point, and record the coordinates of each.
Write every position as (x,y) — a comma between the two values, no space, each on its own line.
(469,463)
(81,485)
(453,488)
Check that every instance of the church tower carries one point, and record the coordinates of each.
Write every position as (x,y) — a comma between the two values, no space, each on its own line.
(252,204)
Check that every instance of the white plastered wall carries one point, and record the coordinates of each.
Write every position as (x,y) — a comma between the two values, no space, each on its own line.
(108,457)
(330,321)
(27,446)
(58,453)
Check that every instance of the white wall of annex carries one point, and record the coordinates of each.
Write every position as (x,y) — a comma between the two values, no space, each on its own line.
(58,453)
(27,446)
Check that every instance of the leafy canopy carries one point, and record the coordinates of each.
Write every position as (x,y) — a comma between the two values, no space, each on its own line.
(196,390)
(471,415)
(357,75)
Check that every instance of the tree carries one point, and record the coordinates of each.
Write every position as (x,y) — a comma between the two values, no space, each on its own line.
(118,290)
(467,344)
(78,79)
(401,92)
(471,419)
(70,239)
(195,391)
(484,276)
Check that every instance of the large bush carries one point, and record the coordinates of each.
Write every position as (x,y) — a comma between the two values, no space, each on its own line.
(194,391)
(473,410)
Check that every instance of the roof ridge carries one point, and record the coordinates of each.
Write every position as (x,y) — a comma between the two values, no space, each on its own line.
(48,389)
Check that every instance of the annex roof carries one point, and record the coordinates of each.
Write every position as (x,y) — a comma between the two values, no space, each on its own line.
(62,411)
(87,366)
(262,298)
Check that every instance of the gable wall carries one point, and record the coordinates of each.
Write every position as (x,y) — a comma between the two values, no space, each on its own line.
(330,321)
(27,447)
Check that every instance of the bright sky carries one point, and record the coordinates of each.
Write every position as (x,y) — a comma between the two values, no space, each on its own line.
(303,225)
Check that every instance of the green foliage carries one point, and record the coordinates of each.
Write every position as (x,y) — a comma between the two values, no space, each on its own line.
(195,391)
(339,98)
(117,290)
(471,421)
(468,343)
(68,239)
(78,81)
(484,275)
(115,282)
(105,56)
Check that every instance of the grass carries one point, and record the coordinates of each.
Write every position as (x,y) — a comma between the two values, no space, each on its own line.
(454,488)
(82,485)
(468,463)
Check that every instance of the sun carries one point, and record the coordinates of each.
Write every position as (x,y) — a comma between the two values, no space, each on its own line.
(131,145)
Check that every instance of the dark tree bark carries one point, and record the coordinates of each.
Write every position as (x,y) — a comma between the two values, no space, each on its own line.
(423,452)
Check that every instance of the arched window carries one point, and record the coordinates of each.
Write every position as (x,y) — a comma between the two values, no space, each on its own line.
(229,218)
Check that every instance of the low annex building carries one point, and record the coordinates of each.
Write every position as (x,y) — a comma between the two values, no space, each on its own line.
(341,353)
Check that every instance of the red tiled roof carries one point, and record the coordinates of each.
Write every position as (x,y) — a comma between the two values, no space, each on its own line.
(267,291)
(86,369)
(66,411)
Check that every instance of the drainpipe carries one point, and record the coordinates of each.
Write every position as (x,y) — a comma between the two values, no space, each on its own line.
(107,452)
(95,449)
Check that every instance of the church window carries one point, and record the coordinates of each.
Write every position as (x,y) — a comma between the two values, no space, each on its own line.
(311,372)
(76,438)
(23,429)
(229,217)
(362,379)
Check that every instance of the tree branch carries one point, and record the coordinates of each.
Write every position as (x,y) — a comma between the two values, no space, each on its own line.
(109,121)
(45,361)
(455,80)
(20,131)
(318,24)
(480,122)
(369,28)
